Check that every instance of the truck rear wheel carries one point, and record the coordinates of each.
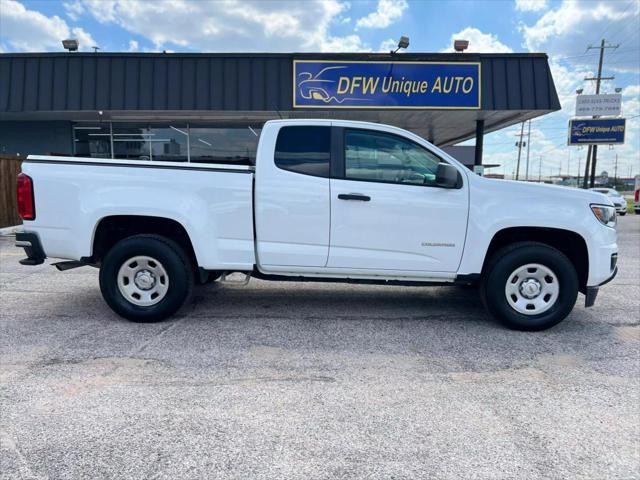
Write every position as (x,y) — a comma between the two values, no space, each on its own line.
(529,286)
(146,278)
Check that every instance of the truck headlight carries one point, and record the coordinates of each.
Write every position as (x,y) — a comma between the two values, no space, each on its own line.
(606,214)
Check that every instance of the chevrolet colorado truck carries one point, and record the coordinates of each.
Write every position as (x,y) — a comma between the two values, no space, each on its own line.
(327,200)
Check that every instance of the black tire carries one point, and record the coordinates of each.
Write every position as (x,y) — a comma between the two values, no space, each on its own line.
(622,214)
(499,269)
(171,257)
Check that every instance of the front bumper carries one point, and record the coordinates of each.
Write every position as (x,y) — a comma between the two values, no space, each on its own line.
(621,208)
(592,292)
(32,247)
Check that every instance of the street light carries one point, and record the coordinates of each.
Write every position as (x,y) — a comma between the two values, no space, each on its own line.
(618,90)
(70,44)
(579,91)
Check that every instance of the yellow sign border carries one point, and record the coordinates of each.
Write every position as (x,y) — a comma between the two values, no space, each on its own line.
(296,61)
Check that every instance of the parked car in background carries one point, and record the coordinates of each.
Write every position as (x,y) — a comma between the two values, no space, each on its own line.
(636,194)
(618,200)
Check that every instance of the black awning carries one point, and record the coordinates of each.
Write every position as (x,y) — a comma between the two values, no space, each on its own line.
(250,87)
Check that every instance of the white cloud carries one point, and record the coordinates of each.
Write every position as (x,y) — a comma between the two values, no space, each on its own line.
(133,46)
(387,12)
(73,9)
(388,45)
(230,25)
(632,91)
(84,39)
(479,42)
(530,5)
(576,22)
(567,80)
(350,43)
(30,31)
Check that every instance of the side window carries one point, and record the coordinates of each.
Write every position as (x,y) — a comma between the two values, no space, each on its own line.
(304,150)
(382,157)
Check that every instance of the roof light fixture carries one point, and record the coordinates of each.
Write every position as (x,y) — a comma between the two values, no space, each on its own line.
(402,43)
(460,45)
(70,44)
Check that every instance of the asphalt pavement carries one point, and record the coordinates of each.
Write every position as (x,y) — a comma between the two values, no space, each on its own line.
(314,381)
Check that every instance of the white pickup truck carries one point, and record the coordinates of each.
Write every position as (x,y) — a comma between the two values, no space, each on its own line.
(326,201)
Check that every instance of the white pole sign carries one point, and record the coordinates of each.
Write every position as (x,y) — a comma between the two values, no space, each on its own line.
(598,105)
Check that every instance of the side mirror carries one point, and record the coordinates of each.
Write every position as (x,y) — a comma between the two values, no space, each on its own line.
(446,176)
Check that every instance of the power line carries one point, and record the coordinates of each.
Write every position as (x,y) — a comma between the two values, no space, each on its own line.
(631,24)
(624,50)
(629,5)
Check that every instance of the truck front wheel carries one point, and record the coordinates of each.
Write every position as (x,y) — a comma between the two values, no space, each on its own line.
(146,278)
(529,286)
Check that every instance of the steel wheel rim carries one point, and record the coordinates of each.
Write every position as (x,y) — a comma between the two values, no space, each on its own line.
(143,281)
(532,289)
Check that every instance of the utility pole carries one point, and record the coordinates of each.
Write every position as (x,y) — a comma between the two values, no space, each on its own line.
(519,145)
(593,149)
(615,172)
(585,183)
(526,175)
(540,168)
(578,179)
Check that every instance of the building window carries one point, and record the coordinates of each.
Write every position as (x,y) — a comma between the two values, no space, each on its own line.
(131,142)
(223,145)
(173,142)
(304,150)
(169,143)
(92,141)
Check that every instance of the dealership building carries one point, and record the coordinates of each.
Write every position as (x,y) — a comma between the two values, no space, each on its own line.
(210,107)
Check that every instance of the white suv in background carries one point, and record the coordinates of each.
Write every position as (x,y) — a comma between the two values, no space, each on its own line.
(618,200)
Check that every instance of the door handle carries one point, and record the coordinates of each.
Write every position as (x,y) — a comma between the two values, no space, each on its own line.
(354,196)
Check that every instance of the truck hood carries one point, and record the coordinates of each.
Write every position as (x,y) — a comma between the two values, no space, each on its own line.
(545,191)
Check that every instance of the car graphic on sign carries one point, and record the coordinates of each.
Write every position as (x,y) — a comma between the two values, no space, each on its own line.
(311,87)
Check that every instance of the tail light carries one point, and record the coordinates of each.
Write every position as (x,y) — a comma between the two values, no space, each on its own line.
(26,203)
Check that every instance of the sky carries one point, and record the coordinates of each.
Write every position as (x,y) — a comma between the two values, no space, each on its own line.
(564,29)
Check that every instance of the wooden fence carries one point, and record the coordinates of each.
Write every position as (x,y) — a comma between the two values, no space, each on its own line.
(9,170)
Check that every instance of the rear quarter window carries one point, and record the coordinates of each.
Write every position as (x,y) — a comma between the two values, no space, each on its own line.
(304,150)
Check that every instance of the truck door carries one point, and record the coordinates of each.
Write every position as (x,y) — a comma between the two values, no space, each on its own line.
(387,214)
(292,199)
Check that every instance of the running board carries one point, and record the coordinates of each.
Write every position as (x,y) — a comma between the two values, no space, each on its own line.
(62,266)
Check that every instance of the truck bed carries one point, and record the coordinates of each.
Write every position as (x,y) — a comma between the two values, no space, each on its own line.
(213,202)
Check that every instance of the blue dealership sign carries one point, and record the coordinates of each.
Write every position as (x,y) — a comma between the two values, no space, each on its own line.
(596,131)
(355,85)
